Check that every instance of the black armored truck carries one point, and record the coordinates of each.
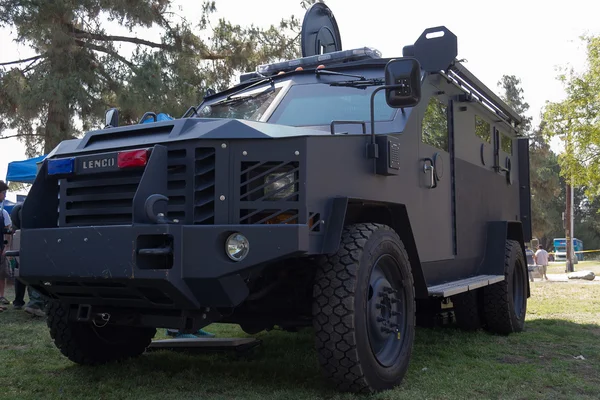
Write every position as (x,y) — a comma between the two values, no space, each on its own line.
(354,194)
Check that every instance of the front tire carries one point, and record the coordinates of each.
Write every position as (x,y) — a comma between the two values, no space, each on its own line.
(88,345)
(364,310)
(505,302)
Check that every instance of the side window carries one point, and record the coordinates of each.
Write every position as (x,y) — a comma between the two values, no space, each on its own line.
(435,125)
(506,144)
(483,129)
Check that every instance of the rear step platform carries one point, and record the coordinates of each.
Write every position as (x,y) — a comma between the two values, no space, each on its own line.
(464,285)
(203,345)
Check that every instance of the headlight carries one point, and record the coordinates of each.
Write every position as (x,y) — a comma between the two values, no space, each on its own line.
(281,186)
(237,247)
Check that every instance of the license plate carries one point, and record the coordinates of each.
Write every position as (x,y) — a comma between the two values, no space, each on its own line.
(97,163)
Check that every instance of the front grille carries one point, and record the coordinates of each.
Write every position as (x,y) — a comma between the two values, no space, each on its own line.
(270,193)
(107,199)
(95,200)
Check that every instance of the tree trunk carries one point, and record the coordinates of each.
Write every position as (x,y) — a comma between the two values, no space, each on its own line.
(57,125)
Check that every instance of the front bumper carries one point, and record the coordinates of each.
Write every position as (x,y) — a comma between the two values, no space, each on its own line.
(103,265)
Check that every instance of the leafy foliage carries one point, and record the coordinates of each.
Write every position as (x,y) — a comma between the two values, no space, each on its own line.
(435,124)
(576,120)
(548,187)
(79,69)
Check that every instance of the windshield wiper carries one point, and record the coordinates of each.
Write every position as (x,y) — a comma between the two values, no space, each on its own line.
(257,83)
(327,72)
(359,83)
(229,100)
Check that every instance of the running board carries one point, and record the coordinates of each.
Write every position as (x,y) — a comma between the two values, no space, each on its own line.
(464,285)
(201,345)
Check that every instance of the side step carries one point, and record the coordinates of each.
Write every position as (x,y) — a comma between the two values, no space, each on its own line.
(464,285)
(202,345)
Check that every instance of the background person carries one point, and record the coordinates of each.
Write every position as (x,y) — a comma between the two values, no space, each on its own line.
(541,259)
(36,303)
(15,216)
(5,225)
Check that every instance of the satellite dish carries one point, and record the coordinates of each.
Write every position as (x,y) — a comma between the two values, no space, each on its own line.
(320,33)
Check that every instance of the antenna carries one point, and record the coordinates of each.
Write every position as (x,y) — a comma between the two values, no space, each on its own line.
(320,33)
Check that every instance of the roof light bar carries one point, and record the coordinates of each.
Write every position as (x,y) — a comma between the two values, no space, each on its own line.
(313,61)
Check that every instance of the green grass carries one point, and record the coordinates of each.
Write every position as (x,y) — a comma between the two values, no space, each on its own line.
(563,323)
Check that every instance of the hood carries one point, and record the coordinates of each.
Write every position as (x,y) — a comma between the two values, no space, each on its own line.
(148,134)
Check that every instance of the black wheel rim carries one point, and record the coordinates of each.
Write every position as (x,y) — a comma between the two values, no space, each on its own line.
(518,288)
(386,311)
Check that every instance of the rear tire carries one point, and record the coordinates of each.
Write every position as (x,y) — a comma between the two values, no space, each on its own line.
(86,344)
(505,303)
(364,310)
(467,310)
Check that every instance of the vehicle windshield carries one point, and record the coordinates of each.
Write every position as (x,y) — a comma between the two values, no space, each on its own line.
(304,105)
(248,106)
(319,104)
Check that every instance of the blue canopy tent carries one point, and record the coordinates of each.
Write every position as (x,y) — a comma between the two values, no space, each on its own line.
(21,171)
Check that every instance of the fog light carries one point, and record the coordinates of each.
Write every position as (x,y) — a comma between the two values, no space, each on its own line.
(237,247)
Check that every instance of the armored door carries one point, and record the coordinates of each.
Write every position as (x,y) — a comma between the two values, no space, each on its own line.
(435,222)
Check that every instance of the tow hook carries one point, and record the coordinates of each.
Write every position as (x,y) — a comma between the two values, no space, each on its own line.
(104,318)
(149,207)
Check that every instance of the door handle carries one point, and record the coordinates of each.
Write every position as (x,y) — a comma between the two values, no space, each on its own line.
(431,170)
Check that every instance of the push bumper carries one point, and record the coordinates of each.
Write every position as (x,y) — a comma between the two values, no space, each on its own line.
(113,266)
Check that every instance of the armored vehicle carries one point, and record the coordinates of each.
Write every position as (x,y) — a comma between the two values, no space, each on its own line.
(343,191)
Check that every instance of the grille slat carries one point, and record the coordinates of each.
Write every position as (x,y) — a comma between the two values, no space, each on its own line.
(90,182)
(204,186)
(108,197)
(177,176)
(99,211)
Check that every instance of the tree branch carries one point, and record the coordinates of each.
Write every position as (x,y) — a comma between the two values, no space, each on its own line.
(107,51)
(110,38)
(79,34)
(20,135)
(24,60)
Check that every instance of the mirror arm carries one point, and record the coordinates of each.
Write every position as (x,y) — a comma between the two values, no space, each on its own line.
(372,150)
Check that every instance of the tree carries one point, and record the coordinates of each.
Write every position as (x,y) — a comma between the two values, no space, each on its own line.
(587,224)
(576,120)
(512,94)
(546,188)
(79,70)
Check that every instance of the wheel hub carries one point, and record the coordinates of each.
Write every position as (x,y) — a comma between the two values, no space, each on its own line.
(385,318)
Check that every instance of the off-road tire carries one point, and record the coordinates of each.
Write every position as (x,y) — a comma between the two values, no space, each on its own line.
(340,300)
(467,310)
(499,298)
(85,344)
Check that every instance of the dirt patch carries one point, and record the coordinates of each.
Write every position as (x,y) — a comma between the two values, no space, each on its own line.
(586,370)
(562,278)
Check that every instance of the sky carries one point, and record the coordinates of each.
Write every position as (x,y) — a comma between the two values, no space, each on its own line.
(529,39)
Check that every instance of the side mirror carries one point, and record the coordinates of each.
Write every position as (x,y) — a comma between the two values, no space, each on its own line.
(112,118)
(404,77)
